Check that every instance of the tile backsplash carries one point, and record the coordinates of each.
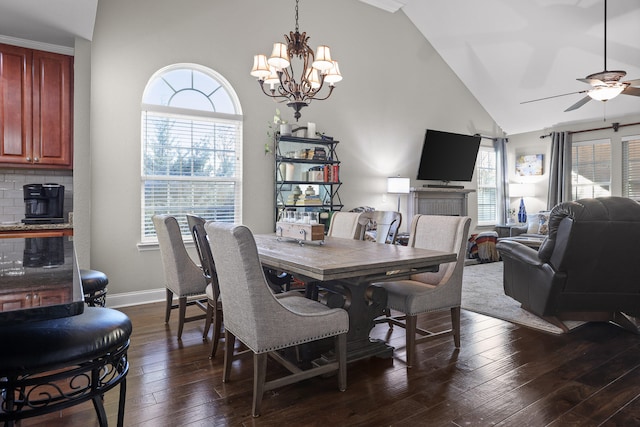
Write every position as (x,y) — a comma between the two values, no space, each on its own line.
(12,196)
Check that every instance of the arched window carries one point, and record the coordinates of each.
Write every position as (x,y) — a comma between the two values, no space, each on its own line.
(191,147)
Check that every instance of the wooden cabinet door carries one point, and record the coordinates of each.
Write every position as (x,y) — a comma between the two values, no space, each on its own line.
(15,301)
(52,109)
(15,105)
(52,296)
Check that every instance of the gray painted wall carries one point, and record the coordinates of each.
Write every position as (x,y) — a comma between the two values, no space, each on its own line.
(395,86)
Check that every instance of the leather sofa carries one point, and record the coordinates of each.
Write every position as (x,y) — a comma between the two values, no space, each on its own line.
(588,267)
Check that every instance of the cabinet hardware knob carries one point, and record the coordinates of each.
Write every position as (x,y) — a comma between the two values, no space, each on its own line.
(28,159)
(36,159)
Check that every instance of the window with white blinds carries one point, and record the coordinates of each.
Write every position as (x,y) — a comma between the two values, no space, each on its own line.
(191,148)
(631,167)
(591,169)
(486,176)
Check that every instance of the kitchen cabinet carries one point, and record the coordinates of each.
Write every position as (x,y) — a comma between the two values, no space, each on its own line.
(38,298)
(36,108)
(307,176)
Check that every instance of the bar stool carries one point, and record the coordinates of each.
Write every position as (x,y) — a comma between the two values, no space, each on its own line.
(53,364)
(94,285)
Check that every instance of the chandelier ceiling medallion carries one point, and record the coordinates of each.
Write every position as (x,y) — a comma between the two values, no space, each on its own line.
(277,72)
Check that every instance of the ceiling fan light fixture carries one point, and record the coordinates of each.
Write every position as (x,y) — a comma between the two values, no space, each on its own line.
(605,93)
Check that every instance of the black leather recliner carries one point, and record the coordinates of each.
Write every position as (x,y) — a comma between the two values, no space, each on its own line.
(588,267)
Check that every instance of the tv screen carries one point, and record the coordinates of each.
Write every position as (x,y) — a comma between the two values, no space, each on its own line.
(448,156)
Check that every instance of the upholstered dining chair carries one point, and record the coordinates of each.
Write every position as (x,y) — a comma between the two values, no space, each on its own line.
(345,225)
(427,292)
(387,224)
(208,266)
(264,323)
(183,277)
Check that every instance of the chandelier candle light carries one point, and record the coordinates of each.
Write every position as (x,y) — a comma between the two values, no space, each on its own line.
(278,71)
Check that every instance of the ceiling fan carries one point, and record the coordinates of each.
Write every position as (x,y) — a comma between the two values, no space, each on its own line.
(605,85)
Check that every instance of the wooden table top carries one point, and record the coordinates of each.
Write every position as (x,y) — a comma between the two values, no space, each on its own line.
(340,258)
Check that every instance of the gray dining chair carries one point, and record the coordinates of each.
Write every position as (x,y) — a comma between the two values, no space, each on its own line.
(208,268)
(386,225)
(183,277)
(265,323)
(345,225)
(427,292)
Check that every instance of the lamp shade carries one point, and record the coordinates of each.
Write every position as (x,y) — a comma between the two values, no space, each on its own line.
(260,67)
(398,185)
(323,58)
(279,56)
(522,190)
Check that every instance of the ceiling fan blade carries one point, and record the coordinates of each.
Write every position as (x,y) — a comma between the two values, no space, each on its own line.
(579,104)
(635,91)
(592,82)
(635,82)
(554,96)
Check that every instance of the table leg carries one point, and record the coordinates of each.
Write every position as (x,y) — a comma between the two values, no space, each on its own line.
(363,303)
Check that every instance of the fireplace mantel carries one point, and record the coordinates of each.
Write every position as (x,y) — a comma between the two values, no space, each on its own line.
(438,201)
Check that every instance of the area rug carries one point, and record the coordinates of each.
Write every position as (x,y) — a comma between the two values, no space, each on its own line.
(482,292)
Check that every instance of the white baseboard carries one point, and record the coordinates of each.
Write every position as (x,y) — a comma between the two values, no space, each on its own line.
(136,298)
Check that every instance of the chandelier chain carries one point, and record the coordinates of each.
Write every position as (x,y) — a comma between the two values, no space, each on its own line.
(297,15)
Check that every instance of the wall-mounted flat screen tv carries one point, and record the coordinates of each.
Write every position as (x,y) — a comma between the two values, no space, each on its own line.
(448,156)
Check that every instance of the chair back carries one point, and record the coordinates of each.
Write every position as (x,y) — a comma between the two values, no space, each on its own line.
(387,224)
(441,233)
(252,312)
(196,226)
(183,276)
(345,225)
(593,245)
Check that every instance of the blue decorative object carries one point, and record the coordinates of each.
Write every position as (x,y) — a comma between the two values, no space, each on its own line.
(522,213)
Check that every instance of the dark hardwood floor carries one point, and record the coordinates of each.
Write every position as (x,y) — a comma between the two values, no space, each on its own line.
(503,374)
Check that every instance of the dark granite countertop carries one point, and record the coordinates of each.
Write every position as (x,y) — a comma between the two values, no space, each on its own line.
(39,279)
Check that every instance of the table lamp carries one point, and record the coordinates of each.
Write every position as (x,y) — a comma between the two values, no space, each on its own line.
(398,185)
(522,191)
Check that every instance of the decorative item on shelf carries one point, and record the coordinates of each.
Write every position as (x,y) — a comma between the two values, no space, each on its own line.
(311,130)
(273,128)
(278,72)
(398,185)
(319,153)
(289,172)
(511,219)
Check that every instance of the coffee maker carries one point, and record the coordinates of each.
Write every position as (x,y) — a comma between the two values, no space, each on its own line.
(43,203)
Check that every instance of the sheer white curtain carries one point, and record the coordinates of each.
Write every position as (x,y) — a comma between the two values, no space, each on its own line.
(560,169)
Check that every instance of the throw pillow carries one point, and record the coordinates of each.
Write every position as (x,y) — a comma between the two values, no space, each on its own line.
(533,224)
(544,223)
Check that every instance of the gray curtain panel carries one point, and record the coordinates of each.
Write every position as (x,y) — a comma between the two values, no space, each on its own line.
(560,169)
(500,145)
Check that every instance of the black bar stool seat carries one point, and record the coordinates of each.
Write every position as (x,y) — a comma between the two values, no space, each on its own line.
(49,365)
(94,285)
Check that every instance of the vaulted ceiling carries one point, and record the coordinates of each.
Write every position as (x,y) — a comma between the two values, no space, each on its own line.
(504,51)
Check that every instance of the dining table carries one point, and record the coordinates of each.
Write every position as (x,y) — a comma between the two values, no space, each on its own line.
(348,267)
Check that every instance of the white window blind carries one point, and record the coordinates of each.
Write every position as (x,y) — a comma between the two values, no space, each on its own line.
(631,167)
(191,150)
(486,173)
(591,169)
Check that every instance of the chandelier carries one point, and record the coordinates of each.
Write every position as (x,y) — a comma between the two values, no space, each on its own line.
(278,72)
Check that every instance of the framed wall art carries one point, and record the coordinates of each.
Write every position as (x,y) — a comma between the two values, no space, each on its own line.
(529,164)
